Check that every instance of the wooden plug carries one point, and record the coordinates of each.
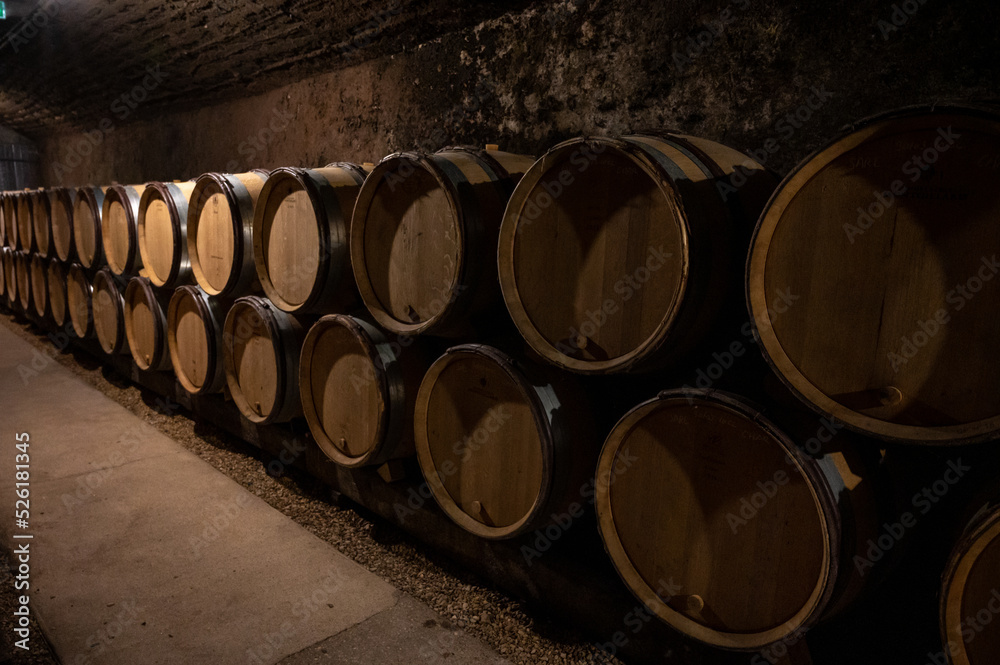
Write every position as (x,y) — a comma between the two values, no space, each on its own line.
(890,396)
(479,512)
(692,604)
(875,398)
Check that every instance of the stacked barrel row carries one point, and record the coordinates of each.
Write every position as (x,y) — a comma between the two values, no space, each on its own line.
(329,293)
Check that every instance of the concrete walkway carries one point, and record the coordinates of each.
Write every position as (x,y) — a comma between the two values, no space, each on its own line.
(142,553)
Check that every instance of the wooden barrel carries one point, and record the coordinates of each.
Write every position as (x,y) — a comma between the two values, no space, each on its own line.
(11,215)
(194,337)
(261,346)
(22,269)
(41,221)
(10,218)
(844,315)
(423,238)
(622,254)
(300,237)
(146,324)
(702,490)
(108,309)
(58,301)
(79,301)
(220,232)
(5,281)
(162,231)
(4,216)
(13,227)
(13,204)
(118,229)
(9,277)
(358,389)
(503,445)
(970,594)
(25,221)
(39,275)
(87,209)
(6,219)
(61,223)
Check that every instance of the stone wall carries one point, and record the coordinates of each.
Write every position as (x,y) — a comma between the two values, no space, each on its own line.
(738,71)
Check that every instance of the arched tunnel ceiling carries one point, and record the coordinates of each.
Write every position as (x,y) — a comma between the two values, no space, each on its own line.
(65,64)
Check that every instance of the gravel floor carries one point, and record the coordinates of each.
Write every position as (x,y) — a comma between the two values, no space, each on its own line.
(456,594)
